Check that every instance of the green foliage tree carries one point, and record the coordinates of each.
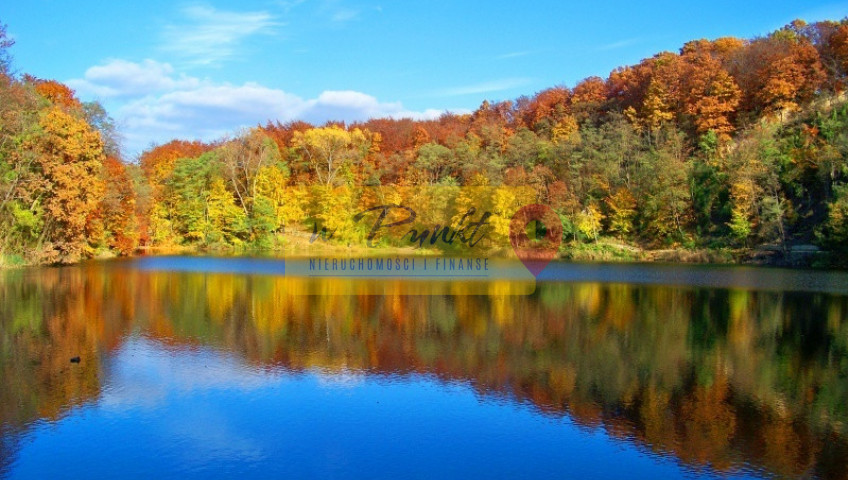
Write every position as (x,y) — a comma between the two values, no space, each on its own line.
(436,160)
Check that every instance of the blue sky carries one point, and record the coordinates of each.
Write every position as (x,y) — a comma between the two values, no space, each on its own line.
(167,69)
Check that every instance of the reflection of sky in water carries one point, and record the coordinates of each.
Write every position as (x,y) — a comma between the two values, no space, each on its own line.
(703,276)
(207,414)
(143,374)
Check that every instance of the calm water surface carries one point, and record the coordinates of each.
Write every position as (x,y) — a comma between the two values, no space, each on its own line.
(607,371)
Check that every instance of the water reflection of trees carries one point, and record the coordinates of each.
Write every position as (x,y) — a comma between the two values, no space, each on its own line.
(716,377)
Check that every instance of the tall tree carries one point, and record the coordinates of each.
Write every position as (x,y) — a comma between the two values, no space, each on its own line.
(710,95)
(70,157)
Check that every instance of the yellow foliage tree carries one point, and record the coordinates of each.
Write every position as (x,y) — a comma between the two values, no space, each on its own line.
(589,222)
(71,157)
(505,203)
(332,150)
(289,203)
(622,207)
(566,131)
(223,217)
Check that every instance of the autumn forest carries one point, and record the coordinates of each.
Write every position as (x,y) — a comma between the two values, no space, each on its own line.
(728,145)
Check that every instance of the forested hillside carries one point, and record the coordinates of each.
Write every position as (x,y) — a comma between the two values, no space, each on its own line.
(726,144)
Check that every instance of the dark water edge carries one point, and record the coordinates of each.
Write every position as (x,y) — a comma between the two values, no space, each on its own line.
(606,371)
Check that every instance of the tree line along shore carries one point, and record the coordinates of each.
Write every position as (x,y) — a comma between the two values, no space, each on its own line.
(728,150)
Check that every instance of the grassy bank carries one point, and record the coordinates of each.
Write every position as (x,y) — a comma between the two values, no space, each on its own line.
(612,251)
(794,256)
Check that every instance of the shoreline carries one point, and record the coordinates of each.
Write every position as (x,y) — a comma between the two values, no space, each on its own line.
(798,257)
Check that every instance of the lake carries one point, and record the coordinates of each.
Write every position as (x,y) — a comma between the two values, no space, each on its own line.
(215,368)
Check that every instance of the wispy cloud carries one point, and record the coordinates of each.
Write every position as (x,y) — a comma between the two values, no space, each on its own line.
(288,5)
(334,11)
(208,35)
(619,44)
(344,15)
(337,12)
(485,87)
(513,55)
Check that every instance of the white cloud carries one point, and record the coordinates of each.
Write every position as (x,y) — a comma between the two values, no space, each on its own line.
(347,105)
(205,112)
(485,87)
(212,111)
(153,104)
(120,78)
(210,35)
